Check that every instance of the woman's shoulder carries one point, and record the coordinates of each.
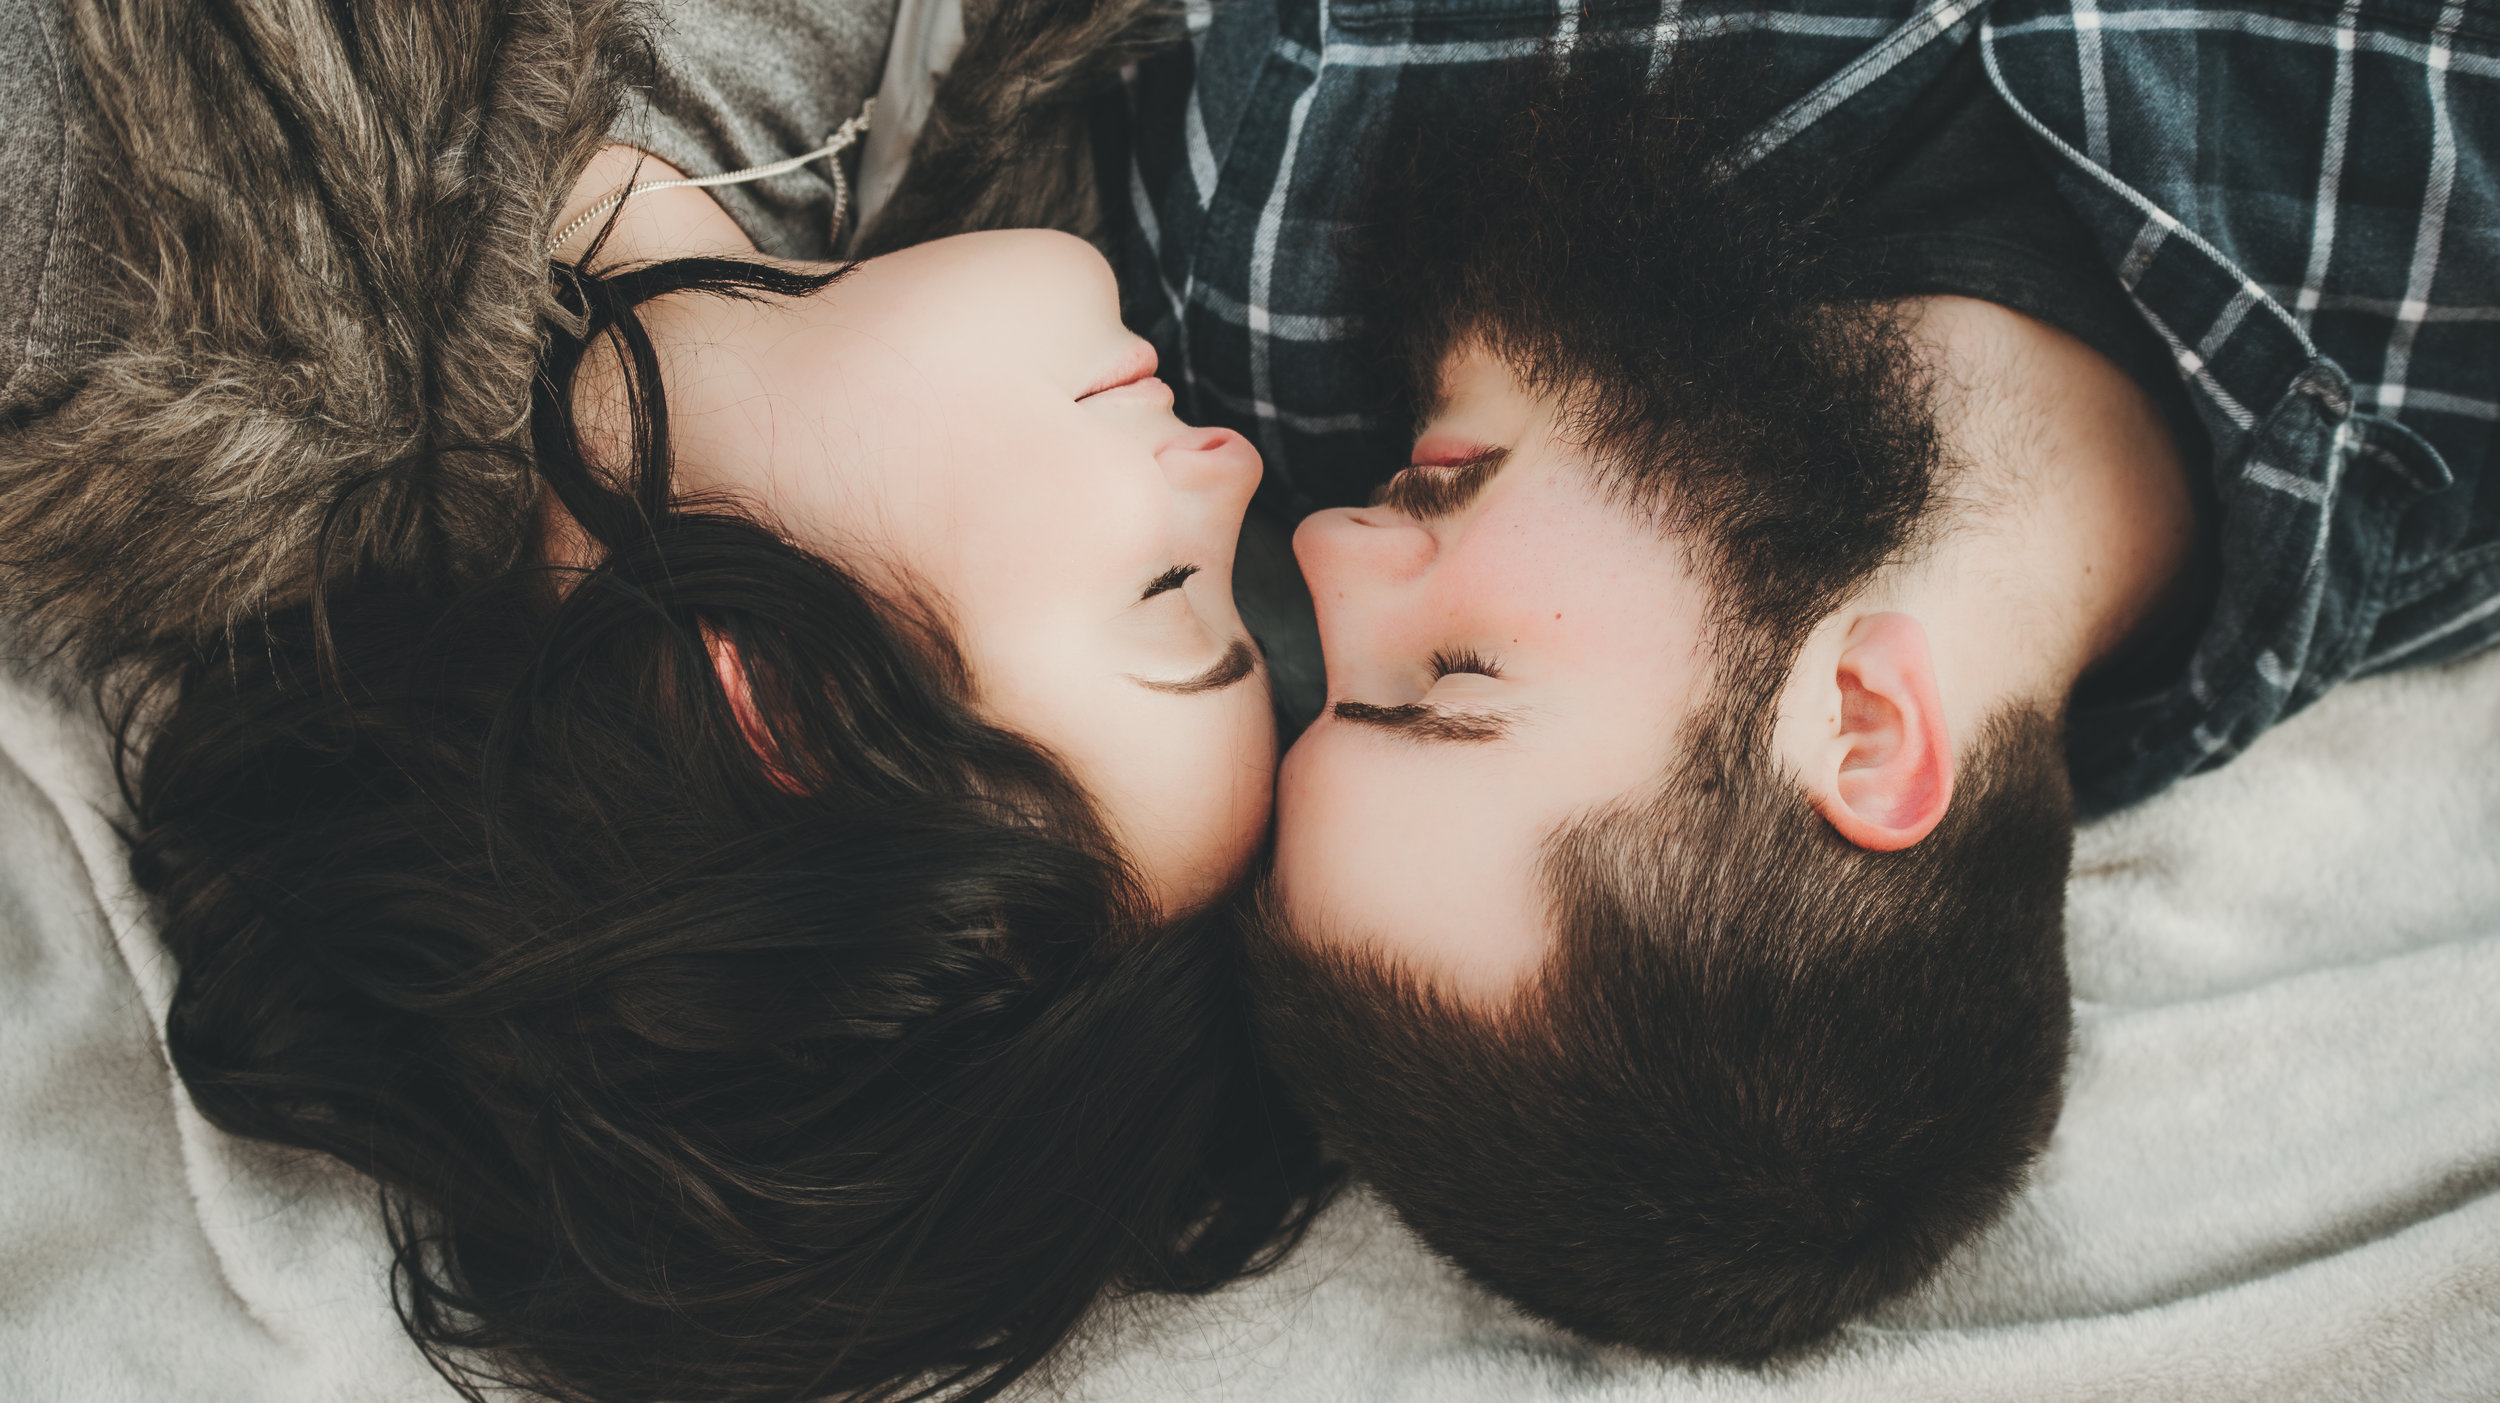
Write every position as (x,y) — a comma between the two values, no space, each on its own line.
(49,203)
(740,83)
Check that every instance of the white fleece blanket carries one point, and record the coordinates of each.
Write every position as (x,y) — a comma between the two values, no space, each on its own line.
(2278,1176)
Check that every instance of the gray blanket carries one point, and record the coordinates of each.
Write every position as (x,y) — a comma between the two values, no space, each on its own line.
(2278,1176)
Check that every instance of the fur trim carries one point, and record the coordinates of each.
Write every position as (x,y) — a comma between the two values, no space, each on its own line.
(329,224)
(1005,146)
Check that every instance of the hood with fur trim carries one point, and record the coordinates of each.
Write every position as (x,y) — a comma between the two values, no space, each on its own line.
(319,240)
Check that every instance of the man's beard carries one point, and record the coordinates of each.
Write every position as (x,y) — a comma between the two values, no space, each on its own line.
(1579,221)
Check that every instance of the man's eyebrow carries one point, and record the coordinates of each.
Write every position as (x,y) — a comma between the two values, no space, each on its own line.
(1427,493)
(1418,721)
(1238,662)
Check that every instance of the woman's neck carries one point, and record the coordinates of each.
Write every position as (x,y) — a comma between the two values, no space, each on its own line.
(679,223)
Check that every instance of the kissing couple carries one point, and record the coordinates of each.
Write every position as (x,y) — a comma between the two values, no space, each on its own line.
(717,757)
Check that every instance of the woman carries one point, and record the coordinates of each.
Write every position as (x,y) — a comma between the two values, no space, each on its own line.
(703,777)
(1077,536)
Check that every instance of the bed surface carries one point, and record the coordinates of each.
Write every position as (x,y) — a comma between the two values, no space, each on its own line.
(2278,1176)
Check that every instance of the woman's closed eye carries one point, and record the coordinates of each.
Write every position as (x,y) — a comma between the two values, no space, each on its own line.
(1167,582)
(1239,659)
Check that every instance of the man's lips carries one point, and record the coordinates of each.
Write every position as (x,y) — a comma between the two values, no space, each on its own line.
(1445,450)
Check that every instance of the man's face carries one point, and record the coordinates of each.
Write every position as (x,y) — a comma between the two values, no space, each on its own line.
(1506,650)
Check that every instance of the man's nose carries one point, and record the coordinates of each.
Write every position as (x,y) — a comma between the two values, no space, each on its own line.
(1360,563)
(1347,548)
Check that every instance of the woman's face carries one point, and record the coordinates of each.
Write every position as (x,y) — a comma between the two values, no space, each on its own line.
(969,418)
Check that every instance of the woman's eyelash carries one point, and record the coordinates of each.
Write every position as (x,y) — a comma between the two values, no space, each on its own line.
(1464,660)
(1168,581)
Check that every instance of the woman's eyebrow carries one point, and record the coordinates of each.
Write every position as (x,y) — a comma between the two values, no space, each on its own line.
(1428,493)
(1238,662)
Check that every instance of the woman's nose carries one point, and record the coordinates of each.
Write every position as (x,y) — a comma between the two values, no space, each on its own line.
(1219,462)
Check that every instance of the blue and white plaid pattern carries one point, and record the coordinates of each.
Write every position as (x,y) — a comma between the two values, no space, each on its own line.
(2301,196)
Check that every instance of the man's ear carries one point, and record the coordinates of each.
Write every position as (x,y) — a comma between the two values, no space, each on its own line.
(1879,764)
(732,671)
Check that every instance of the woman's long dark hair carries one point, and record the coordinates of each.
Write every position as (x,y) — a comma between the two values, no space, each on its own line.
(844,1059)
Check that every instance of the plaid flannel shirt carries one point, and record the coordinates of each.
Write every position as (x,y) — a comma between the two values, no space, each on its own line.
(2301,196)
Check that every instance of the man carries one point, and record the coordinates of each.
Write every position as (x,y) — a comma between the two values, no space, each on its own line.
(1822,467)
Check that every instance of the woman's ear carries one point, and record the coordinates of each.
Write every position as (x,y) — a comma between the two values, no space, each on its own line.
(732,671)
(1879,765)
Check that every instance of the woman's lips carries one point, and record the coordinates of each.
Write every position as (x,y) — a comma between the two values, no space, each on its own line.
(1143,388)
(1136,365)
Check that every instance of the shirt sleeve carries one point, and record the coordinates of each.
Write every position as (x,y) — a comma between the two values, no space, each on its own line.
(743,82)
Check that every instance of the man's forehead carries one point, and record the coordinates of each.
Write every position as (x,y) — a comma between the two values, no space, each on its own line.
(1474,377)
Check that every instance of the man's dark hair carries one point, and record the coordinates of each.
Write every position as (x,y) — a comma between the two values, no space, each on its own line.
(844,1059)
(1765,1079)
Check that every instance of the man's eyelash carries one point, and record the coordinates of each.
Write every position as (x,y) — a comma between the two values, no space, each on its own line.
(1168,581)
(1464,660)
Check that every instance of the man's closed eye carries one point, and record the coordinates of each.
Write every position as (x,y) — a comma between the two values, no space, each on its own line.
(1430,492)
